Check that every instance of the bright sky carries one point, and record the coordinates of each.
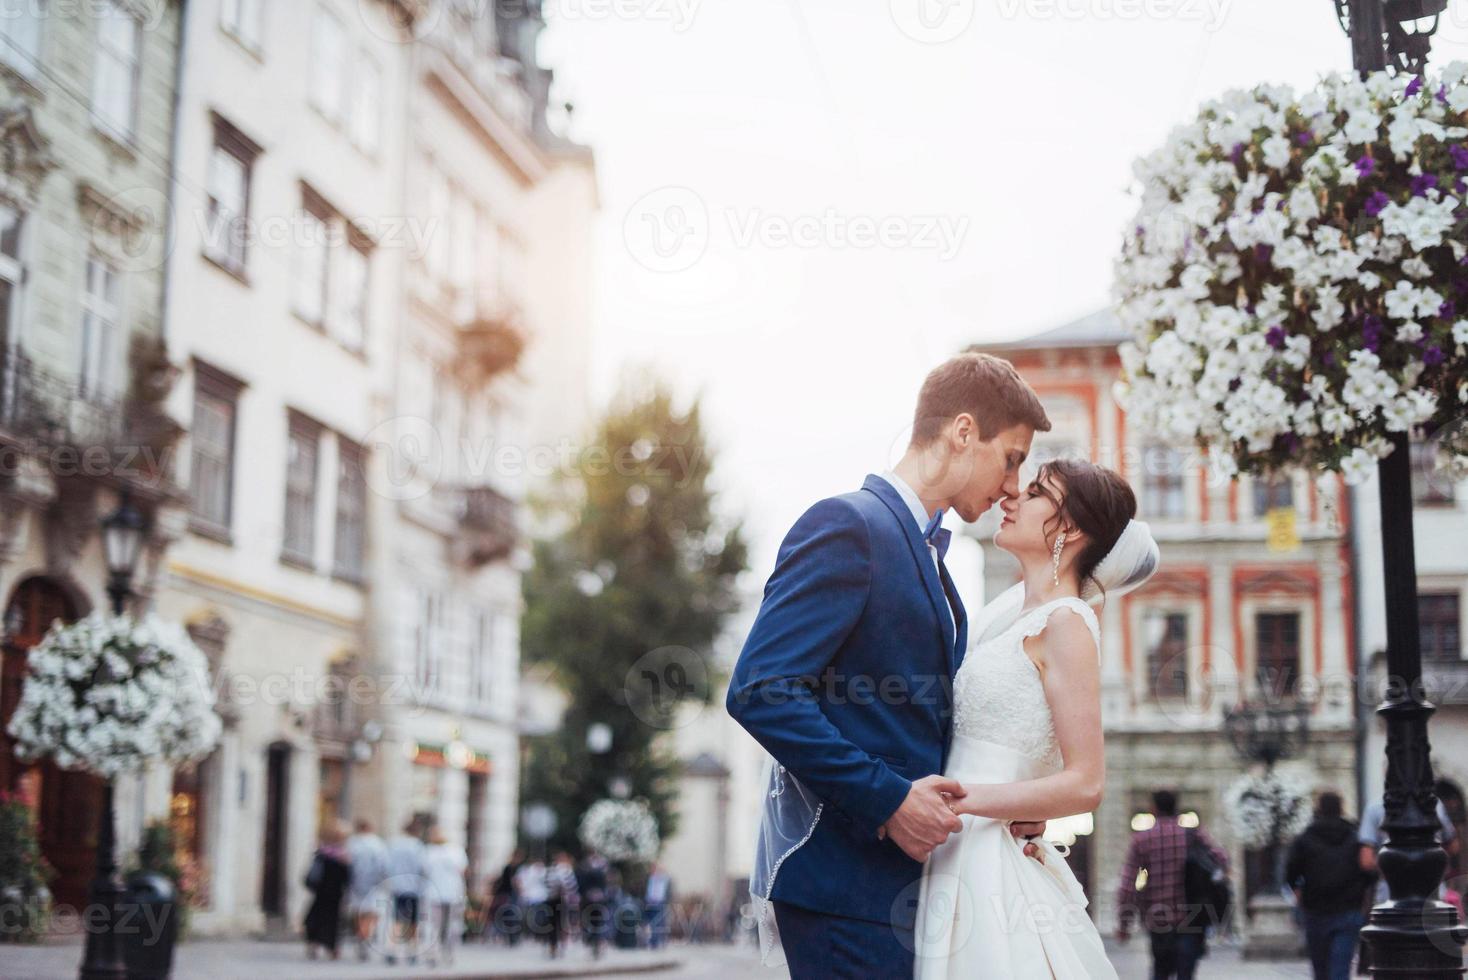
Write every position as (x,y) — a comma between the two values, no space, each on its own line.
(744,147)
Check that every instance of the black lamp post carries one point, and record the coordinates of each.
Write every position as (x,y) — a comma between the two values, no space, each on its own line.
(1412,935)
(122,542)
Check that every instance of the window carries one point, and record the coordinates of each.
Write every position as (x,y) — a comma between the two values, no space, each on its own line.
(12,274)
(311,269)
(1162,482)
(226,228)
(328,66)
(1277,636)
(303,454)
(242,19)
(351,511)
(348,317)
(1430,486)
(115,76)
(1271,493)
(20,36)
(212,436)
(100,316)
(1167,652)
(438,213)
(1437,616)
(366,124)
(481,654)
(428,637)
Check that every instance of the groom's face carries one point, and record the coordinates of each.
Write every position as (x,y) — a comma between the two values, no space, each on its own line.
(989,470)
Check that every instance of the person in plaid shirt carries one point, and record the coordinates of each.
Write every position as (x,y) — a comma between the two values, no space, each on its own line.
(1177,932)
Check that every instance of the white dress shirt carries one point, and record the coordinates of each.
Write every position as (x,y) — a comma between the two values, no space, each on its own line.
(921,516)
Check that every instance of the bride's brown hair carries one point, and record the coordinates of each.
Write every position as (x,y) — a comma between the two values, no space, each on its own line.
(1095,500)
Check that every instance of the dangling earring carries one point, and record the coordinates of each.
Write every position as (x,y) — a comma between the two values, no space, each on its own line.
(1055,564)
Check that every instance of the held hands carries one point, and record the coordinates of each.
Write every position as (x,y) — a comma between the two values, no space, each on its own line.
(1027,830)
(926,817)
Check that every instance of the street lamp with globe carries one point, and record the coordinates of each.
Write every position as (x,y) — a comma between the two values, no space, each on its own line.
(122,543)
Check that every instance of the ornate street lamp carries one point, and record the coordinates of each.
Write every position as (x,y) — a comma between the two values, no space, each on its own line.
(122,543)
(1412,935)
(1268,734)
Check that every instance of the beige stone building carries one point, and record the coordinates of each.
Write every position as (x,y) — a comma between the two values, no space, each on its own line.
(1254,603)
(86,104)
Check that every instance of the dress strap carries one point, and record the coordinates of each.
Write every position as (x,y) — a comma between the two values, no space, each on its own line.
(1036,619)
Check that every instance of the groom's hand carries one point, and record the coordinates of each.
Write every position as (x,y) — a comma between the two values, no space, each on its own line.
(924,820)
(1029,830)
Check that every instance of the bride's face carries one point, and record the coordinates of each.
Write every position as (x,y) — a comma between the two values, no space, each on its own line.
(1029,525)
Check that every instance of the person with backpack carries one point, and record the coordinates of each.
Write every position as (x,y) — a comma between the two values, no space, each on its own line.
(1323,870)
(1186,890)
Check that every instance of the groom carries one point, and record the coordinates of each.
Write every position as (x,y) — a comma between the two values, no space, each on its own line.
(846,677)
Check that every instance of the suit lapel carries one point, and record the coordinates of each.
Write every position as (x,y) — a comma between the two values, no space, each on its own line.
(888,495)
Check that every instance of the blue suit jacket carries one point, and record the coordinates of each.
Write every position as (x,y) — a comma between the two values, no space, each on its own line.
(846,679)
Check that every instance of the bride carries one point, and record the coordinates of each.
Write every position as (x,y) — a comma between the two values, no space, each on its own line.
(1027,738)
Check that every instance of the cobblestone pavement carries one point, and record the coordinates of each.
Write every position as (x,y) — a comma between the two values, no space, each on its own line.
(251,960)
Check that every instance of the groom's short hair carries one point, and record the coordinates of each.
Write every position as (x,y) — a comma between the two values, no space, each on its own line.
(984,386)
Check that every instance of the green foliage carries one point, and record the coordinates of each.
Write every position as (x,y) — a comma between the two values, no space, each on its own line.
(625,604)
(25,901)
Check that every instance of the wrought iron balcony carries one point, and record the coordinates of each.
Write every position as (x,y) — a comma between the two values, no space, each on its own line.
(488,531)
(43,410)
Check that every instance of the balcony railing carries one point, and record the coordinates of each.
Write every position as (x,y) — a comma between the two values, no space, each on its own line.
(43,410)
(487,524)
(51,409)
(491,341)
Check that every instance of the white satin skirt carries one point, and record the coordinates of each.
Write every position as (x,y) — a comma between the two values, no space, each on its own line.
(987,910)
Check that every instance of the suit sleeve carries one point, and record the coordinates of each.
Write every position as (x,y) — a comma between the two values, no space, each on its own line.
(812,601)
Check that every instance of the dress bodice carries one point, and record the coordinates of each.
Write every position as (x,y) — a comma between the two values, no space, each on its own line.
(998,696)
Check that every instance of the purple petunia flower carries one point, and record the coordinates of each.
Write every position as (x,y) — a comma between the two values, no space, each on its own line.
(1275,336)
(1442,93)
(1327,357)
(1433,356)
(1237,154)
(1377,203)
(1422,183)
(1413,87)
(1371,329)
(1447,310)
(1459,153)
(1365,166)
(1305,138)
(1461,186)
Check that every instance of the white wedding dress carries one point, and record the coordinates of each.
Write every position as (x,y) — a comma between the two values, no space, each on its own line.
(985,909)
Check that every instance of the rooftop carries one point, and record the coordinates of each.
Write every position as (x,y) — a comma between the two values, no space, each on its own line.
(1099,329)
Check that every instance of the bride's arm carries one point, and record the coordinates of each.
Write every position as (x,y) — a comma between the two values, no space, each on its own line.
(1070,669)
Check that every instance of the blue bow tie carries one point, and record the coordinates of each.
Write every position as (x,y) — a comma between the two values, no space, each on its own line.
(937,535)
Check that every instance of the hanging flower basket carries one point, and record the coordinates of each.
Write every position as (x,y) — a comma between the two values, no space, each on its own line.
(108,694)
(1268,808)
(621,830)
(1295,280)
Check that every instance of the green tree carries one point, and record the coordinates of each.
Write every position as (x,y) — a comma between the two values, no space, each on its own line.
(624,602)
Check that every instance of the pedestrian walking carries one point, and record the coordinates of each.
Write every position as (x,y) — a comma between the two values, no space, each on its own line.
(368,855)
(505,914)
(327,880)
(1176,925)
(405,858)
(655,899)
(1330,884)
(445,864)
